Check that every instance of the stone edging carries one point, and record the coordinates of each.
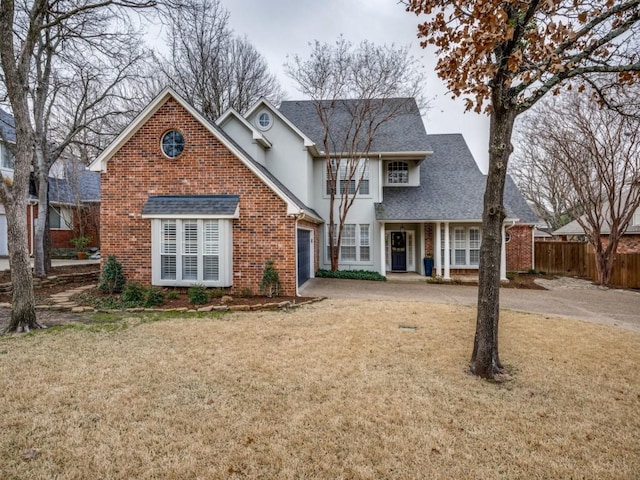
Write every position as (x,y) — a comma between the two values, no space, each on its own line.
(55,280)
(62,302)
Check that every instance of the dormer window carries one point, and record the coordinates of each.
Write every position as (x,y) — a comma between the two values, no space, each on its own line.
(397,173)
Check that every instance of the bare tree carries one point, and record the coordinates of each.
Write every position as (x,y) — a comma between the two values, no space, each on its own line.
(209,66)
(542,181)
(504,56)
(81,71)
(30,32)
(356,91)
(598,150)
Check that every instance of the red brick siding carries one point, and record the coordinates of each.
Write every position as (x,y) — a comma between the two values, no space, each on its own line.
(626,244)
(60,238)
(139,169)
(429,239)
(519,249)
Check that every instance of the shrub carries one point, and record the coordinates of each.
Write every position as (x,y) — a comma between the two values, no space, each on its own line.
(133,293)
(217,293)
(198,294)
(153,296)
(173,295)
(112,279)
(246,292)
(352,275)
(270,284)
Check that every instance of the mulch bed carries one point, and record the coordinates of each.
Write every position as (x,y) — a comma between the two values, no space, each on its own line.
(43,292)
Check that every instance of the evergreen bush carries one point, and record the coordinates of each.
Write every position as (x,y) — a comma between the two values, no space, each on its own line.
(112,279)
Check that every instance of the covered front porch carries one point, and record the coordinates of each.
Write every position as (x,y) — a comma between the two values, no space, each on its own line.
(406,244)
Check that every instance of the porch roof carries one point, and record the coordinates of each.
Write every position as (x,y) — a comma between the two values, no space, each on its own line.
(451,189)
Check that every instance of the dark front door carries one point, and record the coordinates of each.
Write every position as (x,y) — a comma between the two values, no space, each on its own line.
(398,251)
(304,256)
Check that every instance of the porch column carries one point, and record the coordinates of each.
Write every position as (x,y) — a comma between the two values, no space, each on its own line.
(437,248)
(383,251)
(447,255)
(422,249)
(503,257)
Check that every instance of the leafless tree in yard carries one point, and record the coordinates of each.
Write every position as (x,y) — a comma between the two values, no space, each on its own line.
(356,90)
(504,56)
(45,47)
(211,67)
(598,150)
(543,183)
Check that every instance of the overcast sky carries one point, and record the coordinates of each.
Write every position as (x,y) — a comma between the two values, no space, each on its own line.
(278,28)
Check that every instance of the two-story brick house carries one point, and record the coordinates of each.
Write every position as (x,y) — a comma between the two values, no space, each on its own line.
(186,200)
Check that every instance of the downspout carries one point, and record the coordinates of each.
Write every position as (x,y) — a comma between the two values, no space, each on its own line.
(503,270)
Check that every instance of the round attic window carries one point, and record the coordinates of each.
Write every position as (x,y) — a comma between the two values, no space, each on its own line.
(264,121)
(172,143)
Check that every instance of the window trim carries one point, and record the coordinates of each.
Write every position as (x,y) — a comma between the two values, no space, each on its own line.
(164,135)
(467,245)
(64,214)
(339,193)
(389,171)
(258,121)
(358,238)
(225,255)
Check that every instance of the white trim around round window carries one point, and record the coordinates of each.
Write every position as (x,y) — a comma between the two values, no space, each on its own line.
(264,120)
(172,143)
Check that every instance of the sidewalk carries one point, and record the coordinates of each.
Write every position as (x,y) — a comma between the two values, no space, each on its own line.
(4,262)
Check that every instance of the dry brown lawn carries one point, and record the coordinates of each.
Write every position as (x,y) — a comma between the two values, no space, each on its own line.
(332,390)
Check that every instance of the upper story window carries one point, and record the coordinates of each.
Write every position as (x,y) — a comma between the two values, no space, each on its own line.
(6,157)
(172,143)
(264,121)
(397,173)
(352,177)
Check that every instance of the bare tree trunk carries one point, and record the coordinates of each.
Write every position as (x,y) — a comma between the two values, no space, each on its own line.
(23,313)
(39,268)
(485,360)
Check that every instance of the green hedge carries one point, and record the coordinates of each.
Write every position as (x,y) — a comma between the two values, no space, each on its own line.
(352,275)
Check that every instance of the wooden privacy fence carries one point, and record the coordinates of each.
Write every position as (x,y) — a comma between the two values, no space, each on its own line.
(578,259)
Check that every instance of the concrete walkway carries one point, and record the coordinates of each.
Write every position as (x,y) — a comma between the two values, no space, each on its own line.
(4,262)
(611,307)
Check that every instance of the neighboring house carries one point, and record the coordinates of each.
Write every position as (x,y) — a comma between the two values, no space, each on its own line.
(74,197)
(186,201)
(7,135)
(629,242)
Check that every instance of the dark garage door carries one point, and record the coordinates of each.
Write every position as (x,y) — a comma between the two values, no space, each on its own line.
(304,256)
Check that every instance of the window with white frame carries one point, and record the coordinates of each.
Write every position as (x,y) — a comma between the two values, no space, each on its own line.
(355,244)
(636,217)
(6,157)
(190,251)
(352,173)
(60,218)
(464,248)
(397,173)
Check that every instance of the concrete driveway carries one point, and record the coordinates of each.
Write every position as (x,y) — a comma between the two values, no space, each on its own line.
(611,307)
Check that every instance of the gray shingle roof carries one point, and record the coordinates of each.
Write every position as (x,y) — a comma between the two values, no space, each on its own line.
(451,188)
(225,205)
(402,132)
(7,126)
(64,191)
